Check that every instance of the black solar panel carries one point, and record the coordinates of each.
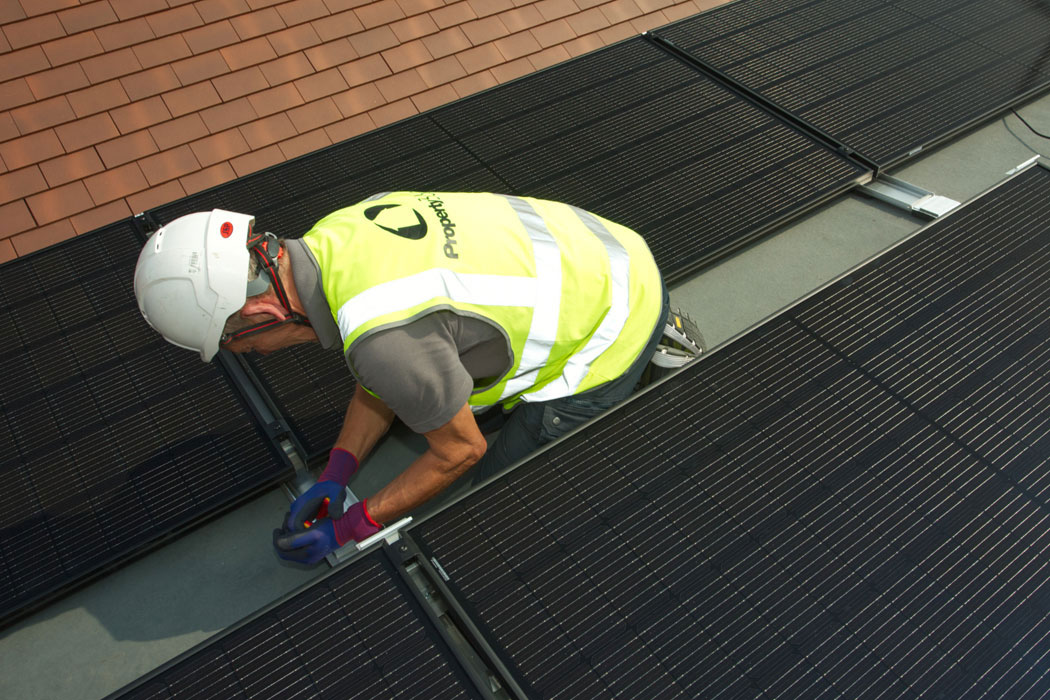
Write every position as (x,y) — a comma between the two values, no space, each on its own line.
(849,501)
(354,634)
(885,78)
(635,135)
(110,438)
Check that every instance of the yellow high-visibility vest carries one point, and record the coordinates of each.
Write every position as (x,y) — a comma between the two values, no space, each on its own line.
(576,296)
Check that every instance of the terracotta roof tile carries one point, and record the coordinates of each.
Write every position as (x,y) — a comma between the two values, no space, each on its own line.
(583,44)
(315,114)
(198,68)
(268,130)
(38,7)
(483,30)
(162,51)
(648,22)
(257,160)
(100,216)
(653,5)
(401,85)
(299,11)
(249,53)
(140,114)
(407,56)
(243,82)
(72,48)
(211,36)
(16,218)
(358,100)
(290,67)
(589,21)
(376,14)
(18,184)
(98,98)
(434,97)
(33,31)
(330,54)
(294,39)
(322,84)
(484,8)
(115,183)
(224,116)
(617,32)
(517,45)
(41,115)
(207,178)
(212,10)
(31,149)
(257,23)
(8,129)
(11,12)
(175,20)
(57,81)
(453,14)
(394,112)
(304,143)
(150,82)
(278,99)
(117,36)
(7,251)
(86,132)
(111,65)
(414,27)
(447,42)
(219,147)
(553,33)
(84,17)
(5,45)
(168,165)
(191,99)
(125,149)
(19,63)
(256,4)
(372,41)
(522,18)
(549,57)
(480,58)
(588,4)
(343,25)
(442,71)
(73,166)
(59,202)
(505,72)
(156,196)
(335,6)
(364,70)
(474,83)
(178,131)
(349,128)
(15,93)
(415,7)
(42,237)
(127,9)
(685,9)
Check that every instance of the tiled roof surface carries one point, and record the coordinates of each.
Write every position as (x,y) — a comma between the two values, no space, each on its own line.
(110,107)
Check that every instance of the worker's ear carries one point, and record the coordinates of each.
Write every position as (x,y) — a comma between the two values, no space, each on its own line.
(263,305)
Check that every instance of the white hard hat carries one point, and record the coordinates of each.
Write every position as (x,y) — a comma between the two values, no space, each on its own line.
(192,276)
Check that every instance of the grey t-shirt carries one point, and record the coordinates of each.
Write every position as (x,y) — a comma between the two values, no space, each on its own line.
(427,369)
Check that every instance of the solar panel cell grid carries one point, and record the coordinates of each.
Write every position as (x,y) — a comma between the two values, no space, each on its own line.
(353,635)
(849,500)
(885,78)
(634,135)
(113,438)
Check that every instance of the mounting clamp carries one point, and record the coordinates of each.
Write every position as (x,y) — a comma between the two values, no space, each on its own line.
(909,197)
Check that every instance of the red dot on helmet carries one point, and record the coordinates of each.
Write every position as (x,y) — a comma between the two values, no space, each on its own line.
(226,229)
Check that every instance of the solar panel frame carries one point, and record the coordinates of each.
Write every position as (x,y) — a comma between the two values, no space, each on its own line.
(356,632)
(888,78)
(101,461)
(770,565)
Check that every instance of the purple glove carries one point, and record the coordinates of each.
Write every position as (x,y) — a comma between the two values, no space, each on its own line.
(325,535)
(326,497)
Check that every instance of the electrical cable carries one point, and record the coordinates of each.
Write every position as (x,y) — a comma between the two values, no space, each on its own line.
(1030,127)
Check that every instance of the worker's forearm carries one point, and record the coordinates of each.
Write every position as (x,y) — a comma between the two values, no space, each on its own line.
(425,478)
(367,419)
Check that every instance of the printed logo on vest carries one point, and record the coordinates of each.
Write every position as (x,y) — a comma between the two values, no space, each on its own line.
(412,232)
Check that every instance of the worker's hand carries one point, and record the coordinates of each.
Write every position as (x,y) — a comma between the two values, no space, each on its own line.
(326,535)
(326,497)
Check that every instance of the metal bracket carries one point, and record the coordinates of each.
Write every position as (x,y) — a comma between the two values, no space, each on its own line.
(389,534)
(909,197)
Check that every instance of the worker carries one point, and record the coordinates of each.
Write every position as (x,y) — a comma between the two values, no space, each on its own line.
(442,304)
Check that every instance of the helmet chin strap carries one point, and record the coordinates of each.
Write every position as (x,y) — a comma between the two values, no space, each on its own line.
(267,249)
